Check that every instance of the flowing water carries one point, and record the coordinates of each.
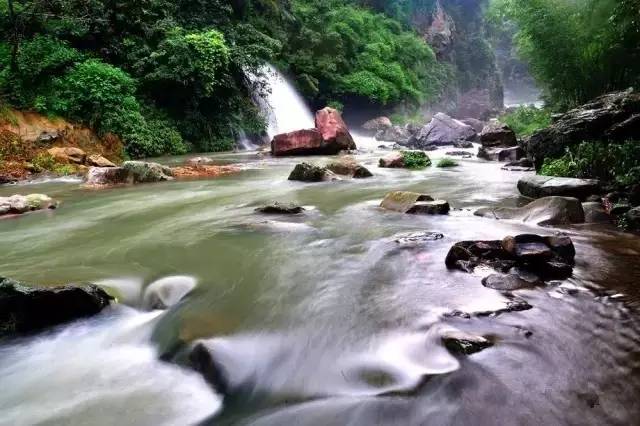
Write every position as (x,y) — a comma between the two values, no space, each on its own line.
(316,319)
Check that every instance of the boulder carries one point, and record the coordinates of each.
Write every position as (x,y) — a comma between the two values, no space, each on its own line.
(543,257)
(395,160)
(204,171)
(306,172)
(414,203)
(633,218)
(594,212)
(167,292)
(68,155)
(501,154)
(394,134)
(347,166)
(496,134)
(477,125)
(543,211)
(108,176)
(334,131)
(375,125)
(610,118)
(300,142)
(280,208)
(19,204)
(25,309)
(147,172)
(96,160)
(462,343)
(442,130)
(536,186)
(509,282)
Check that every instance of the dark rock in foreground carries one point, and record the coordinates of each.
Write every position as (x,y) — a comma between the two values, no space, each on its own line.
(536,186)
(280,208)
(463,343)
(306,172)
(546,257)
(543,211)
(414,203)
(496,134)
(26,309)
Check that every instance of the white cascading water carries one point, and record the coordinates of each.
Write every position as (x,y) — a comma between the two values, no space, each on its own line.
(286,109)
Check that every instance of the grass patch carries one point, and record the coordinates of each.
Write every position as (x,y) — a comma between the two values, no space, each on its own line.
(416,159)
(526,120)
(446,163)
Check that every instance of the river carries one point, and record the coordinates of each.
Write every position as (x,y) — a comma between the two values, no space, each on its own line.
(317,319)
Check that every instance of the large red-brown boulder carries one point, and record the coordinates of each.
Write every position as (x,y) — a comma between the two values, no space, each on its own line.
(300,142)
(334,131)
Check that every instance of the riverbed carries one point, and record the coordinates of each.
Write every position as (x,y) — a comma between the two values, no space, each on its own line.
(320,318)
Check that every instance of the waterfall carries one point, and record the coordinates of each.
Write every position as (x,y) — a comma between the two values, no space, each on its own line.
(286,109)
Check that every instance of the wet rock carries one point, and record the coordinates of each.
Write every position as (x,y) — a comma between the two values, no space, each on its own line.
(395,160)
(543,211)
(477,125)
(19,204)
(522,165)
(394,134)
(463,154)
(414,203)
(594,212)
(306,172)
(147,172)
(108,176)
(348,166)
(25,309)
(501,154)
(619,209)
(68,155)
(546,257)
(167,292)
(545,186)
(463,343)
(496,134)
(633,218)
(334,131)
(611,117)
(281,208)
(508,282)
(417,238)
(373,126)
(99,161)
(299,142)
(442,130)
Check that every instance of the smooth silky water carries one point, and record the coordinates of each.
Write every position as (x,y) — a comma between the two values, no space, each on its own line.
(317,319)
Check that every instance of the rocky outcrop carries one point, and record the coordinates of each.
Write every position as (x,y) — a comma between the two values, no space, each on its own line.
(501,154)
(442,130)
(25,309)
(167,292)
(330,137)
(414,203)
(535,186)
(612,117)
(147,172)
(496,134)
(544,211)
(68,155)
(348,166)
(280,208)
(19,204)
(334,131)
(96,160)
(545,257)
(306,172)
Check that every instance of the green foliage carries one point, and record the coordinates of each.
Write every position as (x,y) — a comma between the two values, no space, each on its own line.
(526,120)
(43,162)
(416,159)
(446,163)
(577,49)
(611,163)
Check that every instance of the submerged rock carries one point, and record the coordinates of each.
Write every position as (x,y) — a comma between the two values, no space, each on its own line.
(543,211)
(463,343)
(442,130)
(306,172)
(536,186)
(347,166)
(414,203)
(496,134)
(508,282)
(280,208)
(546,257)
(167,292)
(26,309)
(19,204)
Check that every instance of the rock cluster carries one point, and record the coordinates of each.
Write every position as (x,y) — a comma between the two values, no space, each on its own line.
(129,173)
(19,204)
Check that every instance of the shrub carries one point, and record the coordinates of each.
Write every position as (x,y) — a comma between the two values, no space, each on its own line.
(43,162)
(416,159)
(526,120)
(446,163)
